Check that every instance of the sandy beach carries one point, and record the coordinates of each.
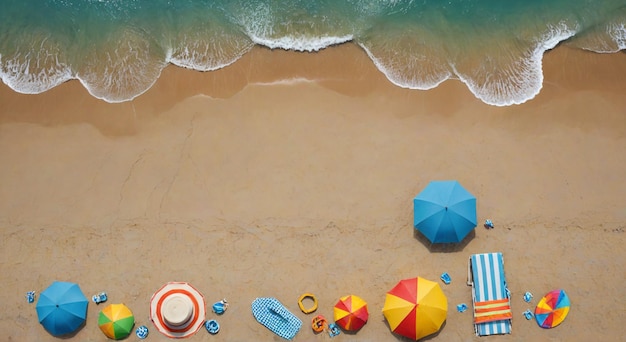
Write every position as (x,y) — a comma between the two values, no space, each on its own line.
(288,172)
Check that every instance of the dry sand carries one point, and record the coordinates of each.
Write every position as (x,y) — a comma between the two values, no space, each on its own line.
(251,182)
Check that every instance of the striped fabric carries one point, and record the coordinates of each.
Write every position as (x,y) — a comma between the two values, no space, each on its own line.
(492,310)
(490,295)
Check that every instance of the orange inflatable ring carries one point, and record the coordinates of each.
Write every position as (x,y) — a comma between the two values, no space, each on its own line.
(318,323)
(301,305)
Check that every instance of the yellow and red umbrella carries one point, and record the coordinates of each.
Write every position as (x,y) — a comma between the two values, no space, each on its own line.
(415,308)
(116,321)
(552,309)
(350,313)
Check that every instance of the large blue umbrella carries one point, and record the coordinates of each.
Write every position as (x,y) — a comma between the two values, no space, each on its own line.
(62,308)
(444,212)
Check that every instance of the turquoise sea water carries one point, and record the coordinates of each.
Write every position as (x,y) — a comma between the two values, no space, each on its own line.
(117,48)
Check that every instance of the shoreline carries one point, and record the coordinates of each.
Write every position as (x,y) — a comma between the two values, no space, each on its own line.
(337,67)
(250,190)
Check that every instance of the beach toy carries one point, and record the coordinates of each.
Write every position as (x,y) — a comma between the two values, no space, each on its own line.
(220,307)
(333,330)
(30,296)
(212,326)
(528,297)
(528,314)
(445,277)
(301,304)
(489,224)
(552,309)
(99,298)
(318,323)
(461,307)
(274,316)
(142,332)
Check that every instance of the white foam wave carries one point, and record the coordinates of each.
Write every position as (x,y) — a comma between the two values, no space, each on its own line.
(300,43)
(521,79)
(36,70)
(284,82)
(268,26)
(121,69)
(208,54)
(610,38)
(617,32)
(417,72)
(191,59)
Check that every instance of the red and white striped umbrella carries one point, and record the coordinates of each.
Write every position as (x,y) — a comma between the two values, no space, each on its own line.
(177,310)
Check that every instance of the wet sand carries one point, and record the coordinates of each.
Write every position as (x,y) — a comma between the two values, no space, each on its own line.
(287,173)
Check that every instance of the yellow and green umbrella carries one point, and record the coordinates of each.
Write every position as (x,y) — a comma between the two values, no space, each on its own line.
(116,321)
(415,308)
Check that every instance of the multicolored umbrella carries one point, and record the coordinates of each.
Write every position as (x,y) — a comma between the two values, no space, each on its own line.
(415,308)
(178,310)
(444,212)
(350,313)
(62,308)
(552,309)
(116,321)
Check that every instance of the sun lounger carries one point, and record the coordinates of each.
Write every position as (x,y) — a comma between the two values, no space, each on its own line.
(490,296)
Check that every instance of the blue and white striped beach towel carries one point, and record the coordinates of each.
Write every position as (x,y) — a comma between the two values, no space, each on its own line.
(274,316)
(486,276)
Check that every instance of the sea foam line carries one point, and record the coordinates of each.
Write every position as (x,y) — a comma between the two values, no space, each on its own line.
(284,81)
(300,43)
(395,79)
(618,33)
(18,76)
(526,84)
(529,82)
(524,81)
(190,63)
